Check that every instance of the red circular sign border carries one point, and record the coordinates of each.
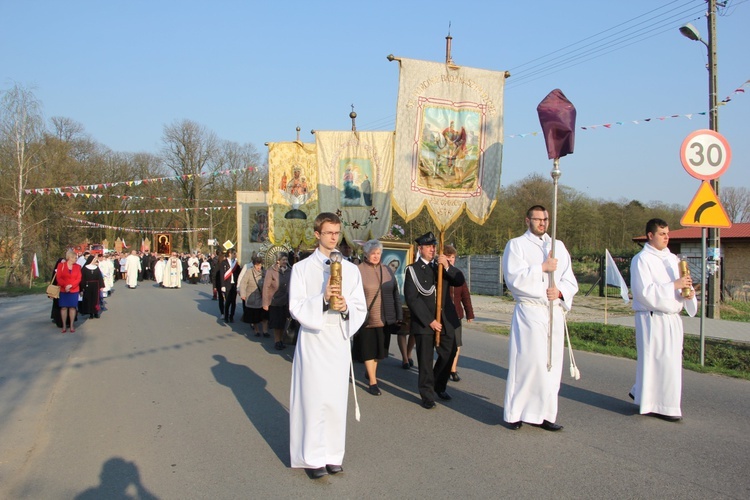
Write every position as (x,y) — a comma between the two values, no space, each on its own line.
(684,160)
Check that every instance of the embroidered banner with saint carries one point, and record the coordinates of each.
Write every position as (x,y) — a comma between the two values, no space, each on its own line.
(449,141)
(355,179)
(292,180)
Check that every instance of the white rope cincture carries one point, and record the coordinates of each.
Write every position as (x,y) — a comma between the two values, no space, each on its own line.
(574,371)
(354,390)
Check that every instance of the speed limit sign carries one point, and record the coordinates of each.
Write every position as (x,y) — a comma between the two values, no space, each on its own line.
(705,154)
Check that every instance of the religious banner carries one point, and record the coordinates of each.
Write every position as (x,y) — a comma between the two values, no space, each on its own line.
(293,200)
(355,179)
(449,141)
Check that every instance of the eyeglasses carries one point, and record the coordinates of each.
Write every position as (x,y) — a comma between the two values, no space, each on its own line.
(535,219)
(331,233)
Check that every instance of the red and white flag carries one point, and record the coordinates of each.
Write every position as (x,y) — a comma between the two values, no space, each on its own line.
(34,268)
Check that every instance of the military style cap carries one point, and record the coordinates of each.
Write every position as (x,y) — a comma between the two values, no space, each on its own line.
(426,239)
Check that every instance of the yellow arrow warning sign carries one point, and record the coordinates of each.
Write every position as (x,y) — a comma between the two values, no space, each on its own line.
(705,210)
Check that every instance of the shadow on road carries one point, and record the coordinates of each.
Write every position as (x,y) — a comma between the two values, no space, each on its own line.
(118,479)
(269,417)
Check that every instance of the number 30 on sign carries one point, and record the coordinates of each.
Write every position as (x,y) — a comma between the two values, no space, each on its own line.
(705,154)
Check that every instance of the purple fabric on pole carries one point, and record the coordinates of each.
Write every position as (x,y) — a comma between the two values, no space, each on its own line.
(558,118)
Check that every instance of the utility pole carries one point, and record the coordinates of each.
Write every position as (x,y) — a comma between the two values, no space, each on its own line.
(713,300)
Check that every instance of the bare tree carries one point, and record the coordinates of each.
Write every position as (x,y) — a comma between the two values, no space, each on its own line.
(21,127)
(736,201)
(190,151)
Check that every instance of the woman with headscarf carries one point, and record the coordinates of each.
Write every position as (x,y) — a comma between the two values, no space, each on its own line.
(68,276)
(384,312)
(92,283)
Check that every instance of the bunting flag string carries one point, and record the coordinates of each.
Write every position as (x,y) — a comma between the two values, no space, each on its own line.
(150,210)
(723,102)
(98,196)
(136,229)
(134,182)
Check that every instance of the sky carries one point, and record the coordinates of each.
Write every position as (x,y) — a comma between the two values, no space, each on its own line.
(253,71)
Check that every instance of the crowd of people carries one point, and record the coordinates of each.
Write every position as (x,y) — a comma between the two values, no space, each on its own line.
(347,308)
(86,279)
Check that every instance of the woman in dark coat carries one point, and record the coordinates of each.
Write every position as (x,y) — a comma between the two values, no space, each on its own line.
(92,283)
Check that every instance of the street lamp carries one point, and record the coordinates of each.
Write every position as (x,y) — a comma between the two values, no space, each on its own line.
(689,31)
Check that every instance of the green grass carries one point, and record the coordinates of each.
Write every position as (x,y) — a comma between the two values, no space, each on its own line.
(721,357)
(15,291)
(735,311)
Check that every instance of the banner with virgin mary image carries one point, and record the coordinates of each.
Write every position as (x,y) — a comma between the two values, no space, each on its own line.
(449,141)
(293,199)
(355,179)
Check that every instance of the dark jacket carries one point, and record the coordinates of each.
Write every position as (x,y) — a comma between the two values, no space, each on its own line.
(423,308)
(462,301)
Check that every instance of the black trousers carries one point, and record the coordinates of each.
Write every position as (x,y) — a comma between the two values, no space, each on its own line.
(230,302)
(434,379)
(446,353)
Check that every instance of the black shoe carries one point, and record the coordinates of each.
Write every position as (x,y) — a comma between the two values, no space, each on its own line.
(411,362)
(334,469)
(257,334)
(549,426)
(374,390)
(668,418)
(429,405)
(631,396)
(317,473)
(266,335)
(405,366)
(444,396)
(231,319)
(279,346)
(515,425)
(455,377)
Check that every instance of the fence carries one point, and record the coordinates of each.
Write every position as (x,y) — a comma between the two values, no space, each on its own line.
(731,290)
(484,273)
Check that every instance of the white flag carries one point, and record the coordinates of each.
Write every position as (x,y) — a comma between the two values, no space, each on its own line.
(614,278)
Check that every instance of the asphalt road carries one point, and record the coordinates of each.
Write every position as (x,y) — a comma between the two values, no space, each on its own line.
(159,399)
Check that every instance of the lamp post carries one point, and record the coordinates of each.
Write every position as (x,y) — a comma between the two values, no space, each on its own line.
(689,31)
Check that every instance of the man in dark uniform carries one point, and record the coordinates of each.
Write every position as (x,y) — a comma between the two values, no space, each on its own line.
(146,266)
(229,274)
(420,292)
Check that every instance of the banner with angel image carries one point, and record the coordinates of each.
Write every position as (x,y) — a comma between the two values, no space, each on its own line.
(449,141)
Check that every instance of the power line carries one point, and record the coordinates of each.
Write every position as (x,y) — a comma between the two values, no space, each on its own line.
(610,43)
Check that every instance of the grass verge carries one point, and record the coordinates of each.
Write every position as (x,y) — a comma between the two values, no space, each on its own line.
(727,358)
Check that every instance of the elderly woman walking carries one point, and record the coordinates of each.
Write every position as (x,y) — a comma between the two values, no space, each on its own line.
(251,293)
(384,312)
(68,276)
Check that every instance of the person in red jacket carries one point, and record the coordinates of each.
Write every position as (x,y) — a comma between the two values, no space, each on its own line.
(462,302)
(68,277)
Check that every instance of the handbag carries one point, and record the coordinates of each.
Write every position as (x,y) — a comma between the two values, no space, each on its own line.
(53,291)
(291,329)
